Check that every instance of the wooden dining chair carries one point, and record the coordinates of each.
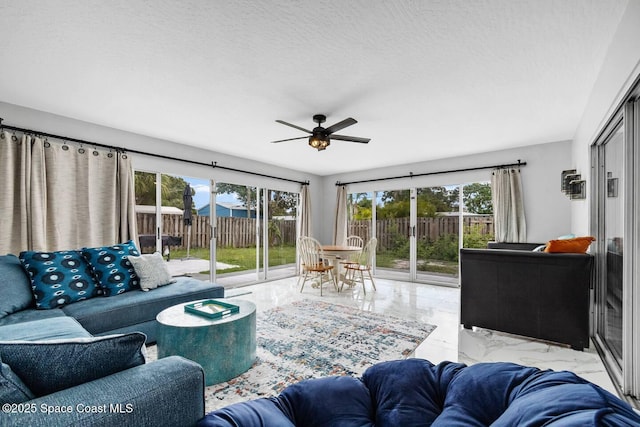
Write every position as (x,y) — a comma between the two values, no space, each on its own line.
(355,270)
(355,241)
(314,263)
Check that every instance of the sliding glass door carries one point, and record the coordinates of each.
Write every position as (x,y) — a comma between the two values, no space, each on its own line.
(280,239)
(393,231)
(420,230)
(237,226)
(614,219)
(610,325)
(437,232)
(247,233)
(160,214)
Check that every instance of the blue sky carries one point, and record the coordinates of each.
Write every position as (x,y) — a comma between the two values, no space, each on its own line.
(202,188)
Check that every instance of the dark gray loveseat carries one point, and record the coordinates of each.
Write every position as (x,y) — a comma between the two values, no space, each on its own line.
(511,288)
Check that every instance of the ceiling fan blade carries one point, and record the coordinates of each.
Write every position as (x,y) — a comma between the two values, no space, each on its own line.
(351,138)
(293,126)
(289,139)
(340,125)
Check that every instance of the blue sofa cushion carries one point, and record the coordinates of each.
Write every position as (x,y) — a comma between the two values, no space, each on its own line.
(30,314)
(44,329)
(111,267)
(12,389)
(101,315)
(321,402)
(414,392)
(49,366)
(425,388)
(58,278)
(15,286)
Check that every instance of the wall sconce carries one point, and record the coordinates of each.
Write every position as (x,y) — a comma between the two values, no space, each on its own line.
(572,185)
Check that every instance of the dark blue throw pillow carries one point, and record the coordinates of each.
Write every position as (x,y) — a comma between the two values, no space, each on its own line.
(58,278)
(51,365)
(12,389)
(111,267)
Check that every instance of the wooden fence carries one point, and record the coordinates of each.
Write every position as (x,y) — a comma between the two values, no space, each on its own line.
(231,232)
(388,231)
(241,232)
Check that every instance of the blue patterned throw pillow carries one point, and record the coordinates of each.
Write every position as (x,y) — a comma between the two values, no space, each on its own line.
(112,268)
(58,278)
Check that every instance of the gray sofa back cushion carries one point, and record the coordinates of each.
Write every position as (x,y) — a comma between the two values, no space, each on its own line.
(49,366)
(15,286)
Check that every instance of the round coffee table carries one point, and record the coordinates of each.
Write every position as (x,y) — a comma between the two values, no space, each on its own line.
(224,347)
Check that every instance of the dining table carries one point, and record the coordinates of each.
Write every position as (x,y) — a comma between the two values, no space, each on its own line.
(338,253)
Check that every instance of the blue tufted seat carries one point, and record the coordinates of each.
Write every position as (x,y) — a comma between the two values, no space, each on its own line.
(414,392)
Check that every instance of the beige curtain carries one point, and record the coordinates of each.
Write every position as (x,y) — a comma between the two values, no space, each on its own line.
(61,196)
(508,206)
(305,212)
(340,225)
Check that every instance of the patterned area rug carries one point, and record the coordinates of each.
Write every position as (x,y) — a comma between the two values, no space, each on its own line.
(308,339)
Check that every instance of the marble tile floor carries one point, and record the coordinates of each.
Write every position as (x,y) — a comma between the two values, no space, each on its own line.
(439,306)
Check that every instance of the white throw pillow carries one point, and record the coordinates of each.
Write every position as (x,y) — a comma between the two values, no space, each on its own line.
(151,270)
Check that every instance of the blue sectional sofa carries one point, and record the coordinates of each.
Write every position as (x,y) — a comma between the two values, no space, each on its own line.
(127,312)
(414,392)
(84,364)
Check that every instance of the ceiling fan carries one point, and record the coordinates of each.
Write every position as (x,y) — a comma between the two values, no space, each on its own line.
(321,137)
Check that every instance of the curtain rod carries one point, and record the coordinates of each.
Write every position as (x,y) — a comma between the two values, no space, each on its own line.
(413,175)
(161,156)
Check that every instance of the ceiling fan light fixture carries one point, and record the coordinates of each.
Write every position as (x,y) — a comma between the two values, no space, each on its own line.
(319,142)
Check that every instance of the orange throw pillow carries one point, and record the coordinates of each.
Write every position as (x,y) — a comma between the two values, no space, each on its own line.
(578,245)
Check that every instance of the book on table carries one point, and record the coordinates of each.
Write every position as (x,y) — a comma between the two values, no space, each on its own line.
(211,309)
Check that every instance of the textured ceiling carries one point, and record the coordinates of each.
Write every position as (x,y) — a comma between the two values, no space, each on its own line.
(425,79)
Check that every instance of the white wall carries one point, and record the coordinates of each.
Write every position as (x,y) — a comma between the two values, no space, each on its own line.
(619,70)
(50,123)
(549,213)
(547,209)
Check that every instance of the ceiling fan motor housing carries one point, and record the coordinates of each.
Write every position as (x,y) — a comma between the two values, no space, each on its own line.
(319,118)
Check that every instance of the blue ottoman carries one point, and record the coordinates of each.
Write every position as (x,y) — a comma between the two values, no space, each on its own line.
(224,347)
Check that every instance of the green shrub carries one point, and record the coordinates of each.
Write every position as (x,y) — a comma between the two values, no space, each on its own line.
(474,238)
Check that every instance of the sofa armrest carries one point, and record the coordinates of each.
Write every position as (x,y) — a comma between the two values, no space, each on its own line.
(513,246)
(167,392)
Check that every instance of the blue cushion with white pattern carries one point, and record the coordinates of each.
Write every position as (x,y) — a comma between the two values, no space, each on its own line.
(58,278)
(111,267)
